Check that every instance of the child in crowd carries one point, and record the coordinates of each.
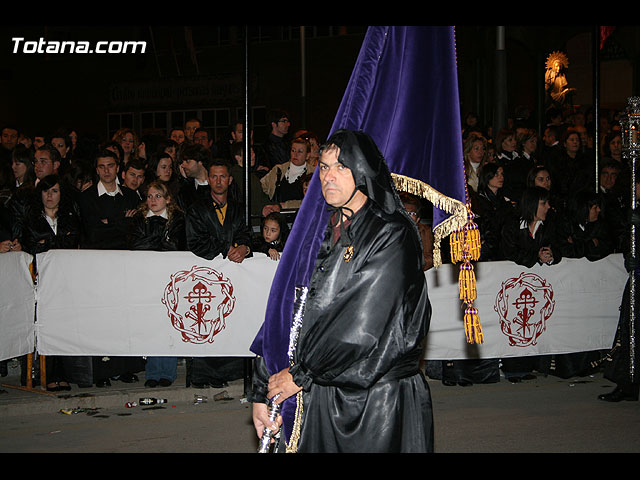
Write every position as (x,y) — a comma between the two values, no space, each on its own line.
(273,236)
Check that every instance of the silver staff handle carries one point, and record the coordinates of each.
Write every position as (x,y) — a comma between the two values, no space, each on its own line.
(268,433)
(300,300)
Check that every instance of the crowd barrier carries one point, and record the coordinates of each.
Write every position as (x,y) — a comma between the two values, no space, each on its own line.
(133,303)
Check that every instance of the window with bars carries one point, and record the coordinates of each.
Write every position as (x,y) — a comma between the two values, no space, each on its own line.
(216,120)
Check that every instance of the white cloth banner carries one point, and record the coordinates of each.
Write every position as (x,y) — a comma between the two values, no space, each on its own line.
(569,307)
(104,302)
(17,305)
(141,303)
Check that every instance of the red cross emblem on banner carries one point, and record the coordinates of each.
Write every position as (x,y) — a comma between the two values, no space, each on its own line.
(524,305)
(198,302)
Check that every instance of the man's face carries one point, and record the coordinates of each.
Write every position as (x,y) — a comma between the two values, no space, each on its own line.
(236,134)
(202,138)
(107,169)
(133,178)
(9,138)
(191,168)
(177,136)
(281,127)
(42,164)
(336,180)
(219,179)
(190,127)
(608,177)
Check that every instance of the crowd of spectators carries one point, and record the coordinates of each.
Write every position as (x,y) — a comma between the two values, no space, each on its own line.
(533,194)
(151,192)
(539,197)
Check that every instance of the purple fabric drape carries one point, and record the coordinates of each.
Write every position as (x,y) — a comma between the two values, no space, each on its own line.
(403,92)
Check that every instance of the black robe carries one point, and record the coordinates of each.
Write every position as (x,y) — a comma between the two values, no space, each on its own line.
(360,345)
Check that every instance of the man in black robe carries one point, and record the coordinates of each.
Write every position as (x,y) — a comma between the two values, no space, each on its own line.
(355,370)
(622,362)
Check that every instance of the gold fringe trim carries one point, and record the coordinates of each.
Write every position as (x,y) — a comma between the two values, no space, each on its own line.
(465,244)
(456,208)
(292,446)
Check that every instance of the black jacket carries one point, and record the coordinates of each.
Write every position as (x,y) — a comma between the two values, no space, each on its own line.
(520,247)
(158,234)
(207,237)
(492,212)
(582,243)
(189,192)
(38,236)
(114,234)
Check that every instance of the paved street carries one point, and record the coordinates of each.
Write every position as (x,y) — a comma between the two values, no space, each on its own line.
(548,414)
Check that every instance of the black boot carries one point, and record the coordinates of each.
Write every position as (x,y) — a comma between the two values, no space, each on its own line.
(628,393)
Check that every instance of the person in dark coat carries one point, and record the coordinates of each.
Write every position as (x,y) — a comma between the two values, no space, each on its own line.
(276,146)
(194,162)
(216,226)
(587,235)
(106,213)
(159,226)
(272,236)
(619,361)
(355,371)
(106,209)
(492,210)
(52,223)
(529,240)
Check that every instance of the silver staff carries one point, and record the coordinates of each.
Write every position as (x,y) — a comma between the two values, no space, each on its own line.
(631,150)
(300,300)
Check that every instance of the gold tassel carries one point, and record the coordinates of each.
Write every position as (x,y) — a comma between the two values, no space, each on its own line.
(467,283)
(464,240)
(465,247)
(472,327)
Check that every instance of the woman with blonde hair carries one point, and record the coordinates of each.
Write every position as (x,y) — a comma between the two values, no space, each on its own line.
(128,140)
(159,226)
(475,156)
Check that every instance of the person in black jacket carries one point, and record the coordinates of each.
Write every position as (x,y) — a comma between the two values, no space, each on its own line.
(159,226)
(588,236)
(106,209)
(216,226)
(492,208)
(106,213)
(529,239)
(273,235)
(52,223)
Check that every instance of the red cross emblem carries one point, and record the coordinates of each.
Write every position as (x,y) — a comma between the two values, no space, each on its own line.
(193,312)
(524,305)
